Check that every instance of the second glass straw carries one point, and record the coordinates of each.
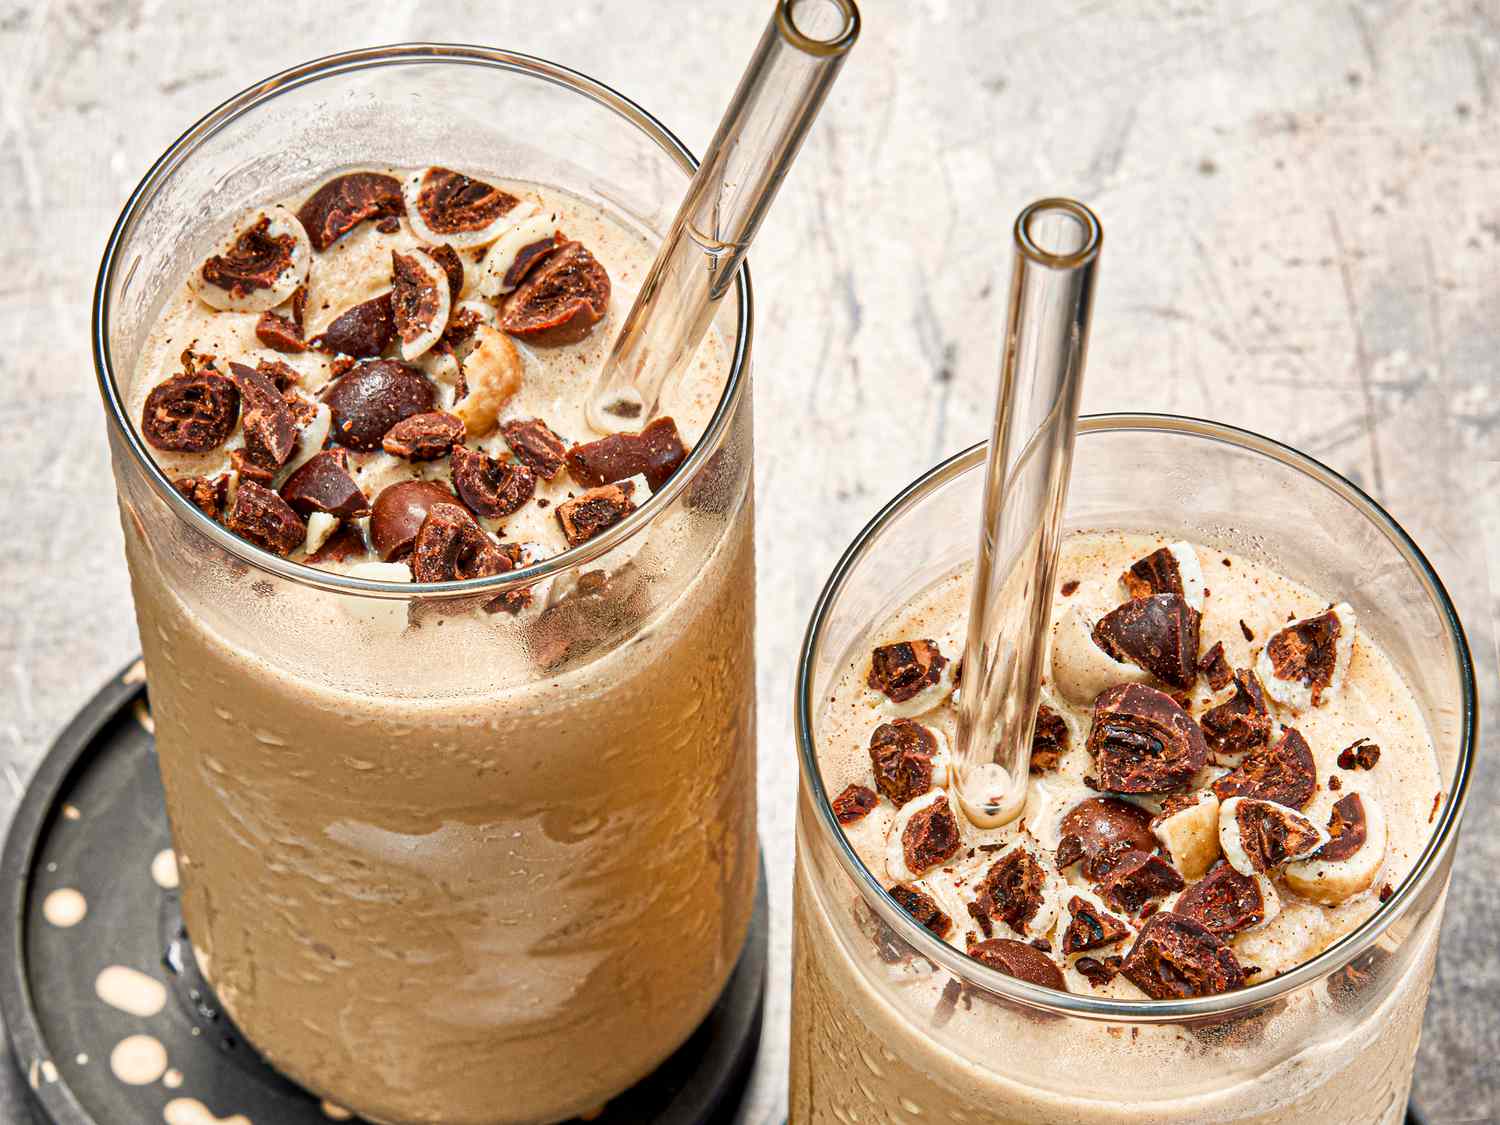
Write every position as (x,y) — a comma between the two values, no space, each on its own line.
(1057,245)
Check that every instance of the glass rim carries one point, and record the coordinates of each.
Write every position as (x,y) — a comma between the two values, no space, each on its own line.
(1337,955)
(349,62)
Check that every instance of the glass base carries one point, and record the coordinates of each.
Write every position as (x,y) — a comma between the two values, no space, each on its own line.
(92,821)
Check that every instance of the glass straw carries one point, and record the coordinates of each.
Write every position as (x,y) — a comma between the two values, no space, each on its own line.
(1026,483)
(789,76)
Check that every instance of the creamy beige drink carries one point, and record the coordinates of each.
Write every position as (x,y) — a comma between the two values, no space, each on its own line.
(475,861)
(1228,776)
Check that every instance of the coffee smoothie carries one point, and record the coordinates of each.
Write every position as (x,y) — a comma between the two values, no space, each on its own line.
(477,860)
(1228,776)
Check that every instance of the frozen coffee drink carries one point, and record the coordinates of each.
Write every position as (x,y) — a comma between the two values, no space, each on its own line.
(1230,778)
(453,695)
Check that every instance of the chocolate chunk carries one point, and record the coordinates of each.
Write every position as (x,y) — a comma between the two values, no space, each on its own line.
(1245,630)
(398,514)
(489,486)
(451,546)
(372,398)
(1089,927)
(192,412)
(1306,652)
(452,265)
(901,754)
(562,299)
(1098,972)
(208,496)
(363,331)
(283,376)
(255,261)
(323,484)
(1142,741)
(1015,885)
(1049,740)
(655,453)
(246,469)
(903,669)
(1157,573)
(1385,893)
(854,804)
(1224,901)
(1271,834)
(344,544)
(535,446)
(930,837)
(270,431)
(1069,588)
(425,437)
(265,519)
(586,516)
(279,334)
(1158,633)
(1346,828)
(345,201)
(452,203)
(923,909)
(416,300)
(1175,958)
(1361,754)
(1213,665)
(1099,831)
(1019,960)
(1137,878)
(1284,773)
(1334,784)
(1240,723)
(526,258)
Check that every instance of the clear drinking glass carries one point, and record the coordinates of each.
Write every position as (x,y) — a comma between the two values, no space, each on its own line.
(483,868)
(1332,1041)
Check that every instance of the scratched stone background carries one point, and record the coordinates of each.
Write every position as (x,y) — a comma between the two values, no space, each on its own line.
(1302,228)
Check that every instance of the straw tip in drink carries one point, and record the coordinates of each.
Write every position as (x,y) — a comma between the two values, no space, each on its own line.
(989,796)
(617,409)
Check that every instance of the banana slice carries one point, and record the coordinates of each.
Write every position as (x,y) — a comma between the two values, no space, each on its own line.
(494,371)
(320,526)
(1080,668)
(259,268)
(1352,858)
(1304,664)
(420,301)
(534,233)
(310,443)
(446,206)
(1258,836)
(1190,833)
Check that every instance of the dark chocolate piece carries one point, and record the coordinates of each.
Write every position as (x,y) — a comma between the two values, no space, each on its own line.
(1142,741)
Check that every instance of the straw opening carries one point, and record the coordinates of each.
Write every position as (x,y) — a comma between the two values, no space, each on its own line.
(819,27)
(1061,233)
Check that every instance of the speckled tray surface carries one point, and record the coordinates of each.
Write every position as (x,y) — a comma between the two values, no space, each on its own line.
(92,832)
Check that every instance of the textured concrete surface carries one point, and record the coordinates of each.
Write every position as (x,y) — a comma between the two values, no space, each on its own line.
(1302,238)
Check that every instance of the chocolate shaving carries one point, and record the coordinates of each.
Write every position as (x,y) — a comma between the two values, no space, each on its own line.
(1362,754)
(425,437)
(489,486)
(1175,958)
(1157,573)
(1099,972)
(1142,741)
(535,446)
(1090,928)
(1158,633)
(265,519)
(854,804)
(1224,901)
(904,669)
(1240,723)
(345,201)
(923,909)
(1285,773)
(655,453)
(930,837)
(587,515)
(901,755)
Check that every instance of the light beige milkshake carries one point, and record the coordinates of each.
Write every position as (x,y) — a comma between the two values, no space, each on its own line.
(446,862)
(882,1034)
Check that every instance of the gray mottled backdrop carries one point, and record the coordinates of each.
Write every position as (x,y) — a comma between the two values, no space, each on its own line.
(1302,238)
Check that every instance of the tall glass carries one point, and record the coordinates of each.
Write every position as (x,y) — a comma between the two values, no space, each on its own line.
(884,1014)
(445,865)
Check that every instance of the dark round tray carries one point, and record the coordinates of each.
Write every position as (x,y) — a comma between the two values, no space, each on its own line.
(92,820)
